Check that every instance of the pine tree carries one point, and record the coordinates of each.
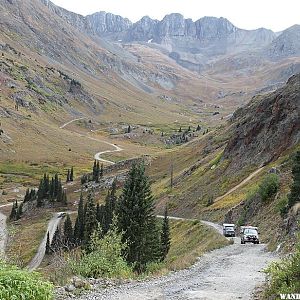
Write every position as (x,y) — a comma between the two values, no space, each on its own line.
(198,128)
(68,232)
(56,243)
(136,219)
(294,195)
(19,211)
(56,185)
(129,129)
(48,246)
(101,171)
(97,172)
(165,236)
(94,170)
(51,189)
(40,194)
(72,174)
(90,221)
(180,130)
(79,224)
(64,198)
(27,196)
(13,212)
(189,129)
(68,176)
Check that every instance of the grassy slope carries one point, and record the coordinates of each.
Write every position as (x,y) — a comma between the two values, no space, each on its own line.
(189,240)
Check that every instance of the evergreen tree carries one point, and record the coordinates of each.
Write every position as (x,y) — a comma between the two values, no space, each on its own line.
(72,174)
(97,172)
(94,170)
(48,246)
(56,243)
(51,189)
(19,211)
(180,130)
(109,208)
(165,236)
(68,176)
(198,128)
(189,129)
(137,220)
(56,185)
(129,129)
(64,199)
(68,232)
(294,195)
(79,224)
(90,221)
(101,171)
(27,196)
(59,196)
(40,195)
(13,212)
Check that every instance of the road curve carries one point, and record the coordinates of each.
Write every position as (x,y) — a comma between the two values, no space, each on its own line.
(229,273)
(74,120)
(97,156)
(38,258)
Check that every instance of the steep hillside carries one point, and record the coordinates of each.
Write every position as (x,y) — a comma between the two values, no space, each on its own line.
(220,170)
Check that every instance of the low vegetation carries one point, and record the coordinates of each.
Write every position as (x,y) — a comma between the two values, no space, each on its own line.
(20,284)
(284,276)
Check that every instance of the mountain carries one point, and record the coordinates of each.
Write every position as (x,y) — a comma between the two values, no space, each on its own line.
(287,44)
(266,127)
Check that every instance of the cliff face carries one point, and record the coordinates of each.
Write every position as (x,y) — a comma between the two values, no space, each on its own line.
(266,127)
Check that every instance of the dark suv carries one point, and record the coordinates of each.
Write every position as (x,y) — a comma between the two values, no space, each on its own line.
(249,235)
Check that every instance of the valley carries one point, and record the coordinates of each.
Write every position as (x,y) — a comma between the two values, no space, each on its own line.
(203,115)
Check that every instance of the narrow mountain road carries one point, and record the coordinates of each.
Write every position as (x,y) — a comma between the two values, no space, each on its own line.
(38,258)
(240,184)
(3,234)
(52,225)
(97,156)
(3,231)
(228,273)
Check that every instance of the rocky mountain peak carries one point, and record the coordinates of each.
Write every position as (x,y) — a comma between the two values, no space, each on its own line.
(211,28)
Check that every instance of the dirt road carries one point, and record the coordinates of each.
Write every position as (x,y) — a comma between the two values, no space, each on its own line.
(3,234)
(228,273)
(38,258)
(240,184)
(97,156)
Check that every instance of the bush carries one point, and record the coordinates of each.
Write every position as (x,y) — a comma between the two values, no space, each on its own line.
(268,187)
(282,206)
(284,276)
(21,284)
(105,259)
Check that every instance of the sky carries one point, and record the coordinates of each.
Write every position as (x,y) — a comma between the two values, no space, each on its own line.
(251,14)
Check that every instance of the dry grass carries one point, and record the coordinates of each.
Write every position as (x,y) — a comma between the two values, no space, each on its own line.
(189,240)
(26,236)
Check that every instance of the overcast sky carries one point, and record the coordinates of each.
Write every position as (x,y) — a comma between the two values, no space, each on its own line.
(247,14)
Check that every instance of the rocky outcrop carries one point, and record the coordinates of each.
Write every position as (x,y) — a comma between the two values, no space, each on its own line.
(286,44)
(266,127)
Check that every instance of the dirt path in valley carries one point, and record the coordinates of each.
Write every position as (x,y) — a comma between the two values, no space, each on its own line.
(97,156)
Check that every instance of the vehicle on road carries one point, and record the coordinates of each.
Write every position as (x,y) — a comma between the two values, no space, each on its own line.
(229,230)
(249,234)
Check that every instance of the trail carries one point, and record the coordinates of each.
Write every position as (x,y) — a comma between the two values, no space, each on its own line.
(240,184)
(38,258)
(52,225)
(74,120)
(228,273)
(3,231)
(97,156)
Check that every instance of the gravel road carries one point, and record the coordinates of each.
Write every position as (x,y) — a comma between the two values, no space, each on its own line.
(38,258)
(3,234)
(228,273)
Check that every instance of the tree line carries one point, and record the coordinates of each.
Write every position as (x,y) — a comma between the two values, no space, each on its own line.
(148,240)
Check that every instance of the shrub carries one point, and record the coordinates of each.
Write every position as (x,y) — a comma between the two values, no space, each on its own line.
(282,206)
(268,187)
(21,284)
(105,259)
(284,276)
